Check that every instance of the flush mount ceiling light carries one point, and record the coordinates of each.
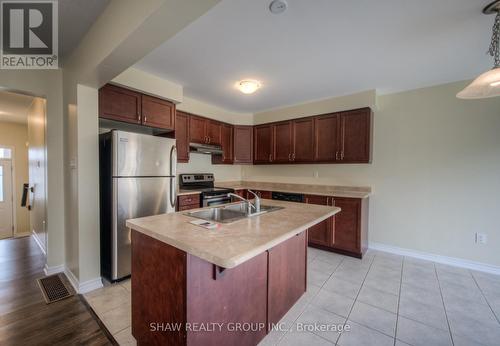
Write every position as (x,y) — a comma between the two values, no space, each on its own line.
(487,84)
(278,6)
(248,86)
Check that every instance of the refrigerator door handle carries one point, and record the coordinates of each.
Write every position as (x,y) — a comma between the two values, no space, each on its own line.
(173,174)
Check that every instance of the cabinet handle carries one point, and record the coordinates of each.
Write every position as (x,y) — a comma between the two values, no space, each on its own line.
(293,157)
(209,140)
(337,155)
(342,155)
(290,157)
(206,139)
(270,159)
(145,119)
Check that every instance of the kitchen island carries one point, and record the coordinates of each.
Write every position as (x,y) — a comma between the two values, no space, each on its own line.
(224,286)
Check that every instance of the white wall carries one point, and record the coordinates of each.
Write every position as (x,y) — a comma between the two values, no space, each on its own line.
(47,84)
(434,176)
(37,169)
(200,163)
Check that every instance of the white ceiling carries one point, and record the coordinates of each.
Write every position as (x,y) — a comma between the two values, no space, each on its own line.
(14,107)
(324,48)
(75,19)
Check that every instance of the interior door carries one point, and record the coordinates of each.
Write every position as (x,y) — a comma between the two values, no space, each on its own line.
(6,206)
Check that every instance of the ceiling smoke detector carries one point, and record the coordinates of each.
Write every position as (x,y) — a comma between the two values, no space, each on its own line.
(278,6)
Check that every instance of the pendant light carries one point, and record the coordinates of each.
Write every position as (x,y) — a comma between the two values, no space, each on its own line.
(487,84)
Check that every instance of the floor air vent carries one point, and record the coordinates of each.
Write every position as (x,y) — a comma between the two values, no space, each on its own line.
(53,288)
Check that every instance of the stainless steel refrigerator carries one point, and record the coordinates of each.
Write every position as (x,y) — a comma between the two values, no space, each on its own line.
(137,178)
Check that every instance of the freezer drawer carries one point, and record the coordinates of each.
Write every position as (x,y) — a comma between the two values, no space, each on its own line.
(133,198)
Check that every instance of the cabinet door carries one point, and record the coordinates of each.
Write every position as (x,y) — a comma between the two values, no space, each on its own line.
(322,233)
(355,136)
(303,140)
(243,144)
(348,224)
(214,132)
(227,143)
(326,138)
(120,104)
(158,113)
(286,276)
(197,129)
(282,133)
(182,136)
(263,143)
(260,193)
(241,193)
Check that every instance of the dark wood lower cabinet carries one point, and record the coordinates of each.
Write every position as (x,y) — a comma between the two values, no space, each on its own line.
(347,231)
(261,194)
(173,292)
(287,276)
(351,226)
(323,232)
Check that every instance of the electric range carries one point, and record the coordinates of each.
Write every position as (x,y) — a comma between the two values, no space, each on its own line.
(204,182)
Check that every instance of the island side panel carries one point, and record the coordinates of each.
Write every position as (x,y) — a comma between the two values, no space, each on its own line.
(236,295)
(287,276)
(158,291)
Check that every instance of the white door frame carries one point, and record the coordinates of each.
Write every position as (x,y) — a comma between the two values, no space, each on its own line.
(13,188)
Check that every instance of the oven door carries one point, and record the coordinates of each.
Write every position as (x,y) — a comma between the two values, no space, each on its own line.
(211,201)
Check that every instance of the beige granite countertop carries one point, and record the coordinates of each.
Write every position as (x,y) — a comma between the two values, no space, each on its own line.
(232,244)
(322,190)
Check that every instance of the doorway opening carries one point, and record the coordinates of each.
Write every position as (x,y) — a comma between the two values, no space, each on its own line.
(22,167)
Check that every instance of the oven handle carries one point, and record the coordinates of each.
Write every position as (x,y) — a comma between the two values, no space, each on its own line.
(216,197)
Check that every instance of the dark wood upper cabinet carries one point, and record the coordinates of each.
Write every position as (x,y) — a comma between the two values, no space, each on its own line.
(226,144)
(214,131)
(355,129)
(323,232)
(282,135)
(182,136)
(263,144)
(116,103)
(158,113)
(303,140)
(197,129)
(326,137)
(243,144)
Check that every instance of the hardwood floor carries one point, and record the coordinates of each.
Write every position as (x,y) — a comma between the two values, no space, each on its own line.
(25,319)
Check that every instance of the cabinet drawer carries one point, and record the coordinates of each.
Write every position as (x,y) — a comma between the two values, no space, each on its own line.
(188,207)
(189,200)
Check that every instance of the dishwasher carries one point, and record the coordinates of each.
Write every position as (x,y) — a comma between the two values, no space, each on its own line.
(289,197)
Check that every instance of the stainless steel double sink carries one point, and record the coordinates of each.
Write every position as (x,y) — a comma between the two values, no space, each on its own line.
(229,213)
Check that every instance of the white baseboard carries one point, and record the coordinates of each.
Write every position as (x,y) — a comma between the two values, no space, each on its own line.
(453,261)
(39,243)
(53,270)
(82,287)
(22,235)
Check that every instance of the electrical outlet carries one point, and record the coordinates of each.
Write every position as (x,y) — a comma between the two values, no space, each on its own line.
(316,174)
(481,238)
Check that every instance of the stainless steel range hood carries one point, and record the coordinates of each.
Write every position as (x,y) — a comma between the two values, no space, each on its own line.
(208,149)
